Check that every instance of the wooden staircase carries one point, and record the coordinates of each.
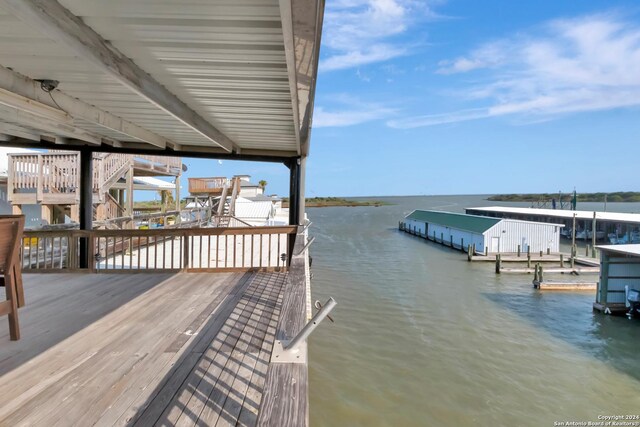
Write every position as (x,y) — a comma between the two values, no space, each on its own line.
(52,179)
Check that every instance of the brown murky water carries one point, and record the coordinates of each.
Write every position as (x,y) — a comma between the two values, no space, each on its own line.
(424,338)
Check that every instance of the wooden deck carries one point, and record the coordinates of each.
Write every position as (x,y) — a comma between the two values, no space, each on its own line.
(147,349)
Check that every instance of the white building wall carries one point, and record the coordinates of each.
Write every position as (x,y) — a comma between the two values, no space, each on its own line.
(459,236)
(537,236)
(414,226)
(621,275)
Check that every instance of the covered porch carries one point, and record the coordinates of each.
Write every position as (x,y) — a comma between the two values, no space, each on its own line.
(165,348)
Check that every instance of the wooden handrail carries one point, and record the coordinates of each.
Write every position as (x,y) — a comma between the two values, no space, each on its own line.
(207,185)
(185,249)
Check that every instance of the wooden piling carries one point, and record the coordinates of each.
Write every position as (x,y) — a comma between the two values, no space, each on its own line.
(587,251)
(541,254)
(498,264)
(518,251)
(548,251)
(528,260)
(540,274)
(451,240)
(469,253)
(561,261)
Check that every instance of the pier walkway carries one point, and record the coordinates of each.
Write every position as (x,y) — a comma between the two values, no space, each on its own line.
(146,349)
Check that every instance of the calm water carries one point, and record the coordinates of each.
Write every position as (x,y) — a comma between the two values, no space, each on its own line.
(424,338)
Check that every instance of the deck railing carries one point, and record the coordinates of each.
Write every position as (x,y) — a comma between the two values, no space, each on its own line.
(43,173)
(208,185)
(177,249)
(55,175)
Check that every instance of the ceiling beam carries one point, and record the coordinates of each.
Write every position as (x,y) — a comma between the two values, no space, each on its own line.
(58,23)
(286,17)
(192,151)
(48,126)
(32,95)
(13,131)
(308,16)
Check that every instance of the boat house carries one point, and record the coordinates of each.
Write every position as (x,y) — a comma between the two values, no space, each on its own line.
(493,235)
(619,272)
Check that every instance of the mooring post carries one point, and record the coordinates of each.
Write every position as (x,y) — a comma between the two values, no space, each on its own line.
(462,244)
(498,264)
(469,253)
(528,250)
(451,240)
(593,252)
(540,254)
(535,272)
(486,250)
(518,251)
(473,251)
(548,251)
(540,275)
(528,260)
(561,261)
(587,251)
(442,238)
(573,259)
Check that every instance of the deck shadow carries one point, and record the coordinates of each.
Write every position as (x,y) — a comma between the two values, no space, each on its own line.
(220,376)
(60,305)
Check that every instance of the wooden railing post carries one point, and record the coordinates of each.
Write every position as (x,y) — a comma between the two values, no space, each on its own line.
(39,189)
(186,254)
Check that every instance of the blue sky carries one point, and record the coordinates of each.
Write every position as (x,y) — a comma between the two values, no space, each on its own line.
(470,97)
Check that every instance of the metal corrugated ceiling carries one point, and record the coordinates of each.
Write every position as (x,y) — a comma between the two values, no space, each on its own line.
(225,59)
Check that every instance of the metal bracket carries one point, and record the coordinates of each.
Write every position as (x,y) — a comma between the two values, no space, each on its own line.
(306,246)
(295,350)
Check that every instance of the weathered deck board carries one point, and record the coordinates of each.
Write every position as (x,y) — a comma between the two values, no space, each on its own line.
(182,349)
(285,400)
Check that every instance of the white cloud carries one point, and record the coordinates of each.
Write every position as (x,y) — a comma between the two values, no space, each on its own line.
(350,112)
(360,32)
(586,64)
(438,119)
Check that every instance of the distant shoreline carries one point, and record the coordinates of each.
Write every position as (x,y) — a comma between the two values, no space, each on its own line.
(617,197)
(326,202)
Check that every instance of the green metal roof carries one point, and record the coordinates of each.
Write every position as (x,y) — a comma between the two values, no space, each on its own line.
(473,223)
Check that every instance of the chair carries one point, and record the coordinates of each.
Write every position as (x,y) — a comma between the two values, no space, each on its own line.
(11,227)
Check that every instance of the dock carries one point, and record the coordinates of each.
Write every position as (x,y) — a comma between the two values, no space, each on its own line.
(565,286)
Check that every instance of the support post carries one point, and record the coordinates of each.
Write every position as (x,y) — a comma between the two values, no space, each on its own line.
(604,280)
(498,263)
(294,200)
(573,239)
(519,251)
(129,197)
(177,198)
(528,260)
(86,204)
(561,261)
(593,232)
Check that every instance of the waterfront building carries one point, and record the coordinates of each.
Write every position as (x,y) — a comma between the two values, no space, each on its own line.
(493,235)
(619,272)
